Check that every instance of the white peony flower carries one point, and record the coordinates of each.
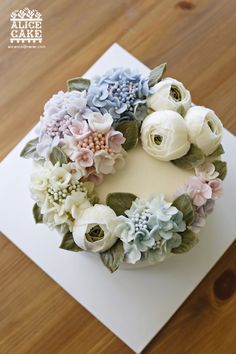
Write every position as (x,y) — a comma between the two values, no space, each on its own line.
(98,215)
(170,94)
(164,135)
(100,123)
(204,128)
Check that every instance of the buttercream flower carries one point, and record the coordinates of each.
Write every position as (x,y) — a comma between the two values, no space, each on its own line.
(100,123)
(150,226)
(84,158)
(198,191)
(94,230)
(76,203)
(132,253)
(60,178)
(164,135)
(170,94)
(207,171)
(204,128)
(104,162)
(114,140)
(60,113)
(60,194)
(125,229)
(216,187)
(93,176)
(118,92)
(80,129)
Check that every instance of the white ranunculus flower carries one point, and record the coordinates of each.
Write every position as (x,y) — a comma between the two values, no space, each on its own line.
(164,135)
(170,94)
(100,123)
(204,128)
(105,218)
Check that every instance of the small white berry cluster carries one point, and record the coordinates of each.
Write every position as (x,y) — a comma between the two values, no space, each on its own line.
(57,195)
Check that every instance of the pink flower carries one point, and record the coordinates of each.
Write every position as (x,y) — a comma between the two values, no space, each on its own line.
(104,162)
(216,187)
(80,129)
(93,176)
(199,223)
(114,140)
(198,191)
(206,172)
(84,158)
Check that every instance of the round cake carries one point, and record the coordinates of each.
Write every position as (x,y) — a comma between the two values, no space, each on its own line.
(126,166)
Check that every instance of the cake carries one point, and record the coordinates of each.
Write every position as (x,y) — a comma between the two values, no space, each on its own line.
(126,166)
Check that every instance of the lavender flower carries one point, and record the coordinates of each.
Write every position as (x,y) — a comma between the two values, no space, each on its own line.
(60,114)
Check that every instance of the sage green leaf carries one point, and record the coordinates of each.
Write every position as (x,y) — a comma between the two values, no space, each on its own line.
(184,204)
(58,155)
(78,84)
(96,233)
(130,131)
(113,257)
(189,240)
(193,158)
(156,74)
(120,202)
(38,217)
(91,193)
(221,167)
(29,151)
(219,151)
(69,244)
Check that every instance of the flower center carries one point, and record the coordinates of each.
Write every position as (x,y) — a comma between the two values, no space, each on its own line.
(158,139)
(59,127)
(126,91)
(96,233)
(95,142)
(140,220)
(175,93)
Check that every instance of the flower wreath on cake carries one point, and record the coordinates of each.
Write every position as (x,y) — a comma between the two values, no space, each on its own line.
(85,134)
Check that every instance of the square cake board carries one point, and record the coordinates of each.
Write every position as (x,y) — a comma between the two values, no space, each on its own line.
(133,304)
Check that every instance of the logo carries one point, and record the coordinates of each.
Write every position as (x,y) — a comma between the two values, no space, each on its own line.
(26,28)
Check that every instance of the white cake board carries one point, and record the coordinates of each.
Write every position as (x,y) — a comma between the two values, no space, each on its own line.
(134,304)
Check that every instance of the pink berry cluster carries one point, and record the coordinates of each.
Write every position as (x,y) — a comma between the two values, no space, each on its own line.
(95,142)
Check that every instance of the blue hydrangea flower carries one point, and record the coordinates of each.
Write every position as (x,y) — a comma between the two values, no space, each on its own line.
(150,229)
(120,92)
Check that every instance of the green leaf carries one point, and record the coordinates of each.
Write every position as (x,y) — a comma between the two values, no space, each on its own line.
(69,244)
(38,217)
(156,74)
(29,151)
(221,167)
(219,151)
(113,257)
(189,240)
(184,204)
(130,131)
(193,158)
(120,202)
(181,110)
(78,84)
(58,155)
